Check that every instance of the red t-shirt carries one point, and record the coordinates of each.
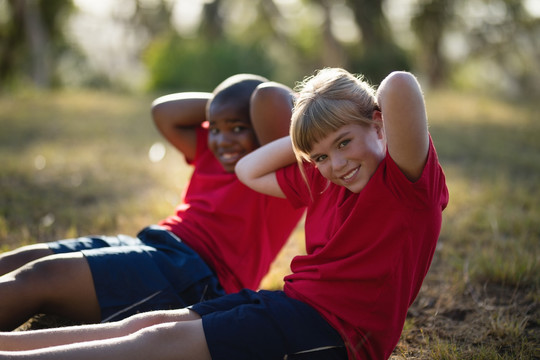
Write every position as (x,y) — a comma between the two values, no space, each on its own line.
(237,231)
(367,253)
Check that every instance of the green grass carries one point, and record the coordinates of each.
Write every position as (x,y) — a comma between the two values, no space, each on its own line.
(77,163)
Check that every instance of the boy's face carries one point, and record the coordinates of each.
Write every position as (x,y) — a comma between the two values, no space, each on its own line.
(349,156)
(231,135)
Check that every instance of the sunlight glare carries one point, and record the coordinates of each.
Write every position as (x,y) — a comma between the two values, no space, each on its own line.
(532,7)
(187,15)
(157,152)
(40,162)
(100,8)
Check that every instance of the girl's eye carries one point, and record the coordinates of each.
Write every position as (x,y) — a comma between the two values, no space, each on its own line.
(343,144)
(320,158)
(213,131)
(238,129)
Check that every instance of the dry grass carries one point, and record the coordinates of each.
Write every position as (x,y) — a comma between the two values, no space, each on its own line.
(77,163)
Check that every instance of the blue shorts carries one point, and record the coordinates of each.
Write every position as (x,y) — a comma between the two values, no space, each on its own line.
(267,325)
(155,271)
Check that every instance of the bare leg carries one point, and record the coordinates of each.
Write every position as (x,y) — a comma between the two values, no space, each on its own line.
(36,339)
(14,259)
(169,340)
(58,284)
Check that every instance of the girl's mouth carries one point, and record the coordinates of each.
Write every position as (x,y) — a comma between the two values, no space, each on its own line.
(350,175)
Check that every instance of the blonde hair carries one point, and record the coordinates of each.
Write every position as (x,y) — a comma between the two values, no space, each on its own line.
(328,100)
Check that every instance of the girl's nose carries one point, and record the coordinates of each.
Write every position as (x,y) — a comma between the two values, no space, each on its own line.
(338,163)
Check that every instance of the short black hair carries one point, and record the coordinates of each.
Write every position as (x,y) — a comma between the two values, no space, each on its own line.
(238,88)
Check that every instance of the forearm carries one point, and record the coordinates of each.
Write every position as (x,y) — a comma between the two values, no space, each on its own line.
(185,109)
(177,116)
(257,169)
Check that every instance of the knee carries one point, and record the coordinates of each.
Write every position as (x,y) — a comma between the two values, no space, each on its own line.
(30,251)
(34,272)
(28,282)
(172,337)
(17,258)
(43,271)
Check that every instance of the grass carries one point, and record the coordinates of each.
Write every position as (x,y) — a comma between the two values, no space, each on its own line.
(77,163)
(481,297)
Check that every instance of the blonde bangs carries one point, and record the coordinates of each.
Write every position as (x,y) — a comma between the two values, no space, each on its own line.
(315,118)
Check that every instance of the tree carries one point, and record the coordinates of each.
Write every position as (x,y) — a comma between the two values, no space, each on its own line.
(30,38)
(499,35)
(378,53)
(507,36)
(430,24)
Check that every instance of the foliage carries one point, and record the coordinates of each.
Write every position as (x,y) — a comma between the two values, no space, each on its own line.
(479,44)
(377,63)
(177,64)
(31,40)
(474,44)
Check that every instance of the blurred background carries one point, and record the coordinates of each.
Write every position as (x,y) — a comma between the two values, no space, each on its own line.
(173,45)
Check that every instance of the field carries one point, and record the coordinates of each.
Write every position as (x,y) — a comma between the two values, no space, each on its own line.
(78,163)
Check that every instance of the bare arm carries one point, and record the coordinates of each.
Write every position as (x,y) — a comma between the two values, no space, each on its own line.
(178,115)
(258,169)
(270,111)
(405,122)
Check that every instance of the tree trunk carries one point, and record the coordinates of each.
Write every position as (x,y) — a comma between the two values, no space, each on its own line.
(38,41)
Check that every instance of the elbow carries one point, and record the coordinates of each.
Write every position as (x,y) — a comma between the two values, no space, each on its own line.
(270,92)
(270,111)
(397,85)
(400,79)
(241,170)
(157,111)
(404,80)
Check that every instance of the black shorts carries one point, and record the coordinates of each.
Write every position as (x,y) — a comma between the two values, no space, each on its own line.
(155,271)
(267,325)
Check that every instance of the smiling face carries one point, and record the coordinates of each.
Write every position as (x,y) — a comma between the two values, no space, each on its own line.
(231,135)
(349,156)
